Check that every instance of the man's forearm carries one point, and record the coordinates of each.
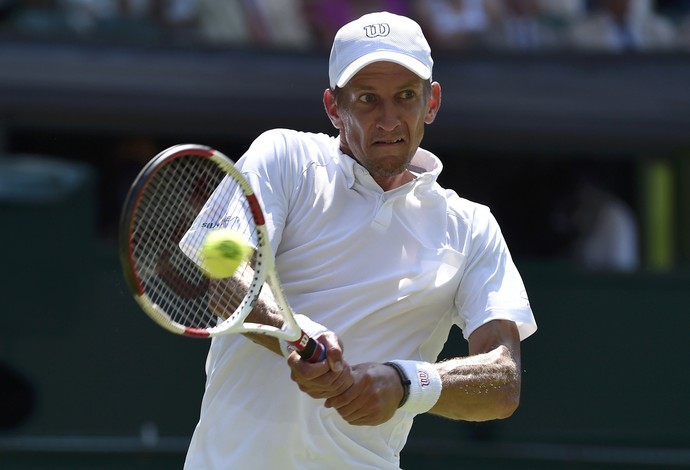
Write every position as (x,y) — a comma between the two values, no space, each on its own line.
(265,312)
(481,387)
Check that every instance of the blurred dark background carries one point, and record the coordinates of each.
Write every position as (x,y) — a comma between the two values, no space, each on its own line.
(569,118)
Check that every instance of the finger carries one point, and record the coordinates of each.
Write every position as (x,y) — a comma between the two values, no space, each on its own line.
(303,370)
(340,400)
(354,412)
(334,351)
(363,413)
(328,385)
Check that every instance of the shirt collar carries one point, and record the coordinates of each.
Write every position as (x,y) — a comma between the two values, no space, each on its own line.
(425,165)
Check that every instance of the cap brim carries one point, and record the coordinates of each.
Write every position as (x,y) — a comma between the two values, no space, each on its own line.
(406,61)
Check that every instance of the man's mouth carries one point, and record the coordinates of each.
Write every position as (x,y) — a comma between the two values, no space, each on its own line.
(389,141)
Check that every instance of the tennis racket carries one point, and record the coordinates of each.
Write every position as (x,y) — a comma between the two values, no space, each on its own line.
(164,220)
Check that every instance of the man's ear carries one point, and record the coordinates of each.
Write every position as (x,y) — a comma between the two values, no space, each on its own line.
(331,108)
(434,103)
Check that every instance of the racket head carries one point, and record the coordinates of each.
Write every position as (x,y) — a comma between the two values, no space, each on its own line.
(159,243)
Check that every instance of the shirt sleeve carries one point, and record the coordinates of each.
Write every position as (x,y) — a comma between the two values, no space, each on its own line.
(491,287)
(268,169)
(261,166)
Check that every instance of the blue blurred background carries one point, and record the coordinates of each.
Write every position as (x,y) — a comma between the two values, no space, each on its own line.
(569,118)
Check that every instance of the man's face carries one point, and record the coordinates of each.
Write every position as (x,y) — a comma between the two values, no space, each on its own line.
(381,114)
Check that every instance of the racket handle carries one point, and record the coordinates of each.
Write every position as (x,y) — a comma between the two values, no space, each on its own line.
(313,351)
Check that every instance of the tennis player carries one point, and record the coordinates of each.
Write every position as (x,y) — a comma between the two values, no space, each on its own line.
(380,262)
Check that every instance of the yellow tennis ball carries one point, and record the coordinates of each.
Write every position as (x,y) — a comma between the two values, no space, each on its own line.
(222,252)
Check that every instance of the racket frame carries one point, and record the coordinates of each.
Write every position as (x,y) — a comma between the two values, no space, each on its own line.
(264,260)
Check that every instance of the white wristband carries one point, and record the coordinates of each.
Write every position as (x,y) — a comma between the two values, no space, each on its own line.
(309,326)
(425,385)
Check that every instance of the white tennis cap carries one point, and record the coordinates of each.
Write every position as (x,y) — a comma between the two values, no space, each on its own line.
(378,37)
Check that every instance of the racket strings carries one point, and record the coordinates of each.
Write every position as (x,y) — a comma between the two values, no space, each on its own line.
(230,296)
(169,206)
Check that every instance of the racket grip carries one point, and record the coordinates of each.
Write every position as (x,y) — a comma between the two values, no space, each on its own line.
(313,351)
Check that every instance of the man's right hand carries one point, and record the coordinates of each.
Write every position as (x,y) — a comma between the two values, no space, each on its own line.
(324,379)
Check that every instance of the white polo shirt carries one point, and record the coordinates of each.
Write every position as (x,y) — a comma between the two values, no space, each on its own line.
(388,272)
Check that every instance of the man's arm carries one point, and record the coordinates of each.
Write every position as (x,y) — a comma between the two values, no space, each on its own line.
(486,384)
(482,386)
(266,311)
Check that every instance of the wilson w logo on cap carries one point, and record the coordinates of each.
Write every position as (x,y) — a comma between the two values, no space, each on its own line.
(376,30)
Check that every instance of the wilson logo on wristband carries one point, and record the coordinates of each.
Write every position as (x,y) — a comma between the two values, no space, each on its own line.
(423,378)
(422,394)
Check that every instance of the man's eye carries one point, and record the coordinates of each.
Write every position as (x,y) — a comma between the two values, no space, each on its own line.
(367,98)
(408,94)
